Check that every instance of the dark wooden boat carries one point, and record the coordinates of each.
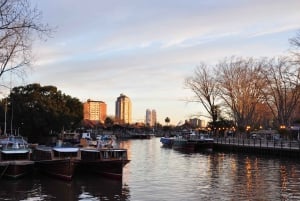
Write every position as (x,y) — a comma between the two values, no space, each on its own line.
(15,157)
(56,161)
(190,141)
(107,162)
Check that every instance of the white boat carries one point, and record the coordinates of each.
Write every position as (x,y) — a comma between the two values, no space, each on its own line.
(15,157)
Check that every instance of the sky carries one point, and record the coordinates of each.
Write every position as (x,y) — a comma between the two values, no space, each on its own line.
(146,49)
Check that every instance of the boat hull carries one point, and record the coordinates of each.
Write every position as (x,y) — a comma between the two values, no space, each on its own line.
(184,145)
(111,169)
(141,136)
(16,169)
(204,146)
(58,162)
(105,162)
(193,145)
(167,142)
(15,157)
(59,168)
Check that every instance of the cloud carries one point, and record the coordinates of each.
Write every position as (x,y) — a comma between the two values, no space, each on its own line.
(277,29)
(146,48)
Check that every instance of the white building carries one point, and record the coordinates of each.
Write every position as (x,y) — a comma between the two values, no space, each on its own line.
(150,117)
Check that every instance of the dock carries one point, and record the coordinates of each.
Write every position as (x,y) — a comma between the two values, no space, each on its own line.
(285,148)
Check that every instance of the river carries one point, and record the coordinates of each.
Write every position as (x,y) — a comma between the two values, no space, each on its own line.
(157,173)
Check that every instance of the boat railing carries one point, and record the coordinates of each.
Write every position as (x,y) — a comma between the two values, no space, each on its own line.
(15,143)
(113,154)
(193,136)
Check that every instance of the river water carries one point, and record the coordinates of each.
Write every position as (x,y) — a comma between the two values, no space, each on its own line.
(157,173)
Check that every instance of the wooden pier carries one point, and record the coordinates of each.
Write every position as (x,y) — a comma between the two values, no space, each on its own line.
(259,146)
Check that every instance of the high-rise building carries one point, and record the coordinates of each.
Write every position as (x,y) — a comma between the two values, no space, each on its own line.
(94,110)
(150,117)
(198,123)
(154,120)
(123,110)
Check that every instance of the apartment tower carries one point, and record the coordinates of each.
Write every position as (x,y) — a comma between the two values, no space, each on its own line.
(94,110)
(123,110)
(150,117)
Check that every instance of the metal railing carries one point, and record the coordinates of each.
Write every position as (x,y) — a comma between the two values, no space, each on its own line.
(260,143)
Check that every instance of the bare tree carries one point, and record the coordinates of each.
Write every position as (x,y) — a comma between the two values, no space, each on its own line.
(240,85)
(19,22)
(282,92)
(205,88)
(295,43)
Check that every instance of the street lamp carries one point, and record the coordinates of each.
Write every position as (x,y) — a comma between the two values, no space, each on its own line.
(248,128)
(282,126)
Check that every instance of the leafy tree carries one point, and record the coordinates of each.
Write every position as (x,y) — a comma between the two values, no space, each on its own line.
(108,122)
(19,23)
(39,111)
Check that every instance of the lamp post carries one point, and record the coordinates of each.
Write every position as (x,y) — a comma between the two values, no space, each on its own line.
(282,130)
(248,131)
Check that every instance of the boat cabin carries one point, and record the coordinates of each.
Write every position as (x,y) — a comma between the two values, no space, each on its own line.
(103,154)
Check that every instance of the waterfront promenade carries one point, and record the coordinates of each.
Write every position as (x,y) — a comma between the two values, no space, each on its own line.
(290,148)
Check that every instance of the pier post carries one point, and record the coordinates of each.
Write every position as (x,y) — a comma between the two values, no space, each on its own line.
(260,143)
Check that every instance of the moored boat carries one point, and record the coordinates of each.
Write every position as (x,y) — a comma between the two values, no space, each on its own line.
(190,141)
(204,142)
(105,162)
(167,141)
(141,135)
(56,161)
(104,159)
(15,157)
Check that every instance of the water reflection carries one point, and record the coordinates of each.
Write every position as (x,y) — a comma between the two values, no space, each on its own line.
(40,187)
(157,173)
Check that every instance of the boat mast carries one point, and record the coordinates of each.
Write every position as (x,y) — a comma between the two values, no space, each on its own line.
(5,111)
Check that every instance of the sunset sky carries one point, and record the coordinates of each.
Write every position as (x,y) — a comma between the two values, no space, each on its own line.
(146,49)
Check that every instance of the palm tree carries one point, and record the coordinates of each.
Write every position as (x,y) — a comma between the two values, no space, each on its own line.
(167,120)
